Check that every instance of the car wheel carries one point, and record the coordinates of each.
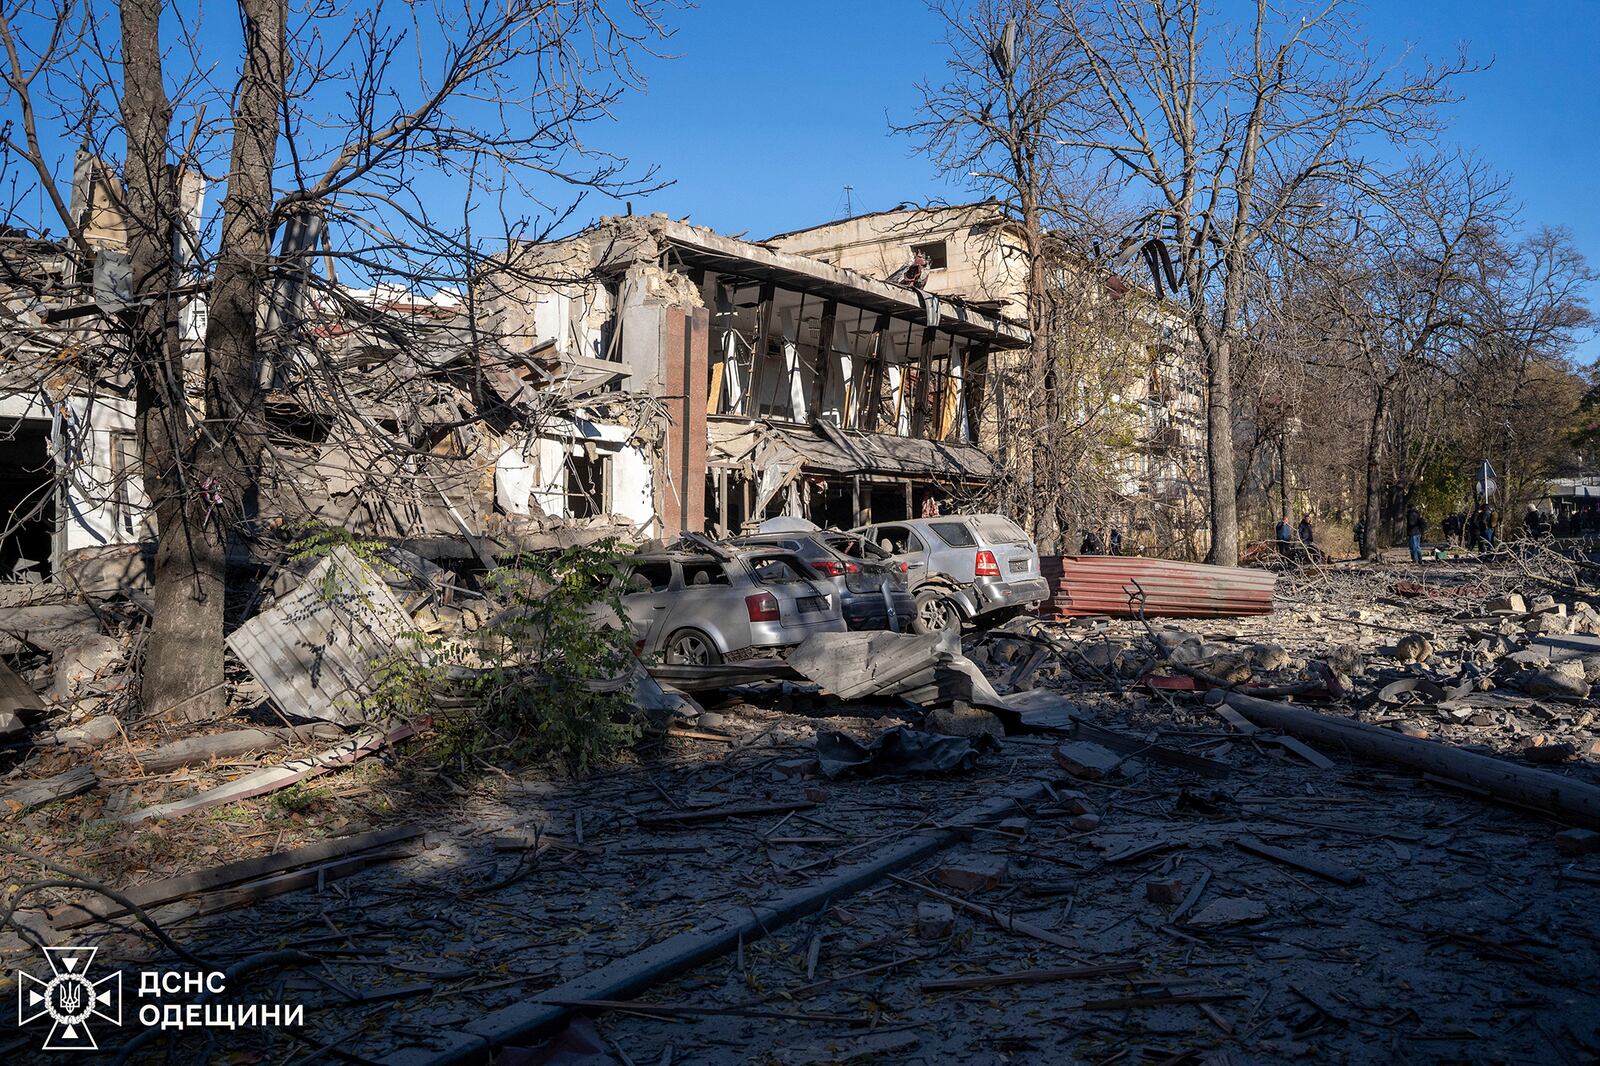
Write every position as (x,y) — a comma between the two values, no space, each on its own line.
(934,614)
(690,647)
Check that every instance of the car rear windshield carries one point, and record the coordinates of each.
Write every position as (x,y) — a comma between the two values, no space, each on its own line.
(999,530)
(955,534)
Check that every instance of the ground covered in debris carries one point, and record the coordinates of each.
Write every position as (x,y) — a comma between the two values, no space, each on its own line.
(1154,880)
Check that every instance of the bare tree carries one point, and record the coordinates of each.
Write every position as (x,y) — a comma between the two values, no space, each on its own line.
(994,124)
(1225,133)
(341,126)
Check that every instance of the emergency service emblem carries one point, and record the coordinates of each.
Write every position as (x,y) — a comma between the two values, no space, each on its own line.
(69,999)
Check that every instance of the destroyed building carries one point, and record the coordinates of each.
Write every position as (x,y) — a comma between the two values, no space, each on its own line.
(789,385)
(976,253)
(69,488)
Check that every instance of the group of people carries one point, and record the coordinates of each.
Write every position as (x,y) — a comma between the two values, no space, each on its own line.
(1477,528)
(1093,545)
(1286,534)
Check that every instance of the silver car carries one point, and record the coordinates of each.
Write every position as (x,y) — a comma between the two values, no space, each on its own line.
(700,608)
(963,567)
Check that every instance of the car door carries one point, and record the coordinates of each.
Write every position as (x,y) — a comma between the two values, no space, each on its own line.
(706,599)
(904,545)
(647,601)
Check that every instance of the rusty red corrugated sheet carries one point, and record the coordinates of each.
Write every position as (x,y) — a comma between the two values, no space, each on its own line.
(1110,584)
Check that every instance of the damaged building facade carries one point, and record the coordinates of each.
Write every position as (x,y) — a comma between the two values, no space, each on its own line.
(644,376)
(976,253)
(786,385)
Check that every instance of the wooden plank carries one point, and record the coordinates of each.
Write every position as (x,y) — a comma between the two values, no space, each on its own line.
(1004,921)
(25,797)
(1029,977)
(279,884)
(1136,748)
(155,893)
(1238,722)
(1021,678)
(276,777)
(1311,864)
(194,751)
(718,813)
(1304,750)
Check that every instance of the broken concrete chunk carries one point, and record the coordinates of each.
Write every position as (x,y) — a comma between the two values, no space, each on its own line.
(1512,604)
(1545,602)
(964,721)
(796,768)
(1230,910)
(50,628)
(1267,657)
(1563,680)
(973,873)
(1166,891)
(83,662)
(1410,729)
(1084,823)
(1577,841)
(1073,802)
(1549,753)
(1013,827)
(935,921)
(1088,761)
(1346,659)
(91,734)
(1546,624)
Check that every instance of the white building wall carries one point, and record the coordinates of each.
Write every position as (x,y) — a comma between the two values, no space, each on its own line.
(84,435)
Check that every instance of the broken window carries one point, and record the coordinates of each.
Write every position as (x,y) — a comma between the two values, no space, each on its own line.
(649,577)
(587,485)
(955,534)
(735,305)
(897,384)
(124,469)
(779,570)
(934,252)
(788,370)
(705,574)
(898,540)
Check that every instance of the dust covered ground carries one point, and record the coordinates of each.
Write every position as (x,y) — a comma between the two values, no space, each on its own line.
(1129,915)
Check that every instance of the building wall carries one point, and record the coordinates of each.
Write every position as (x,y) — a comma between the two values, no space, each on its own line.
(104,489)
(984,259)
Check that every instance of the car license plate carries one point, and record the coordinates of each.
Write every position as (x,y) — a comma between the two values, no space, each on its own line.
(813,604)
(1019,566)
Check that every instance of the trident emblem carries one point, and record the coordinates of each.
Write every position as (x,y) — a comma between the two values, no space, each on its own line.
(69,998)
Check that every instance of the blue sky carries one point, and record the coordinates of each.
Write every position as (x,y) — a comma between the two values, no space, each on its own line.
(770,110)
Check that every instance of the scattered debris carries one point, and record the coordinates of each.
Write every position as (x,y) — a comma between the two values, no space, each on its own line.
(899,751)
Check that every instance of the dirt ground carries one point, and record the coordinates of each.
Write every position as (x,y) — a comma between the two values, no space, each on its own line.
(1133,917)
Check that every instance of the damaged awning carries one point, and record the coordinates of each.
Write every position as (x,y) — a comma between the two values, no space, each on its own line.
(781,452)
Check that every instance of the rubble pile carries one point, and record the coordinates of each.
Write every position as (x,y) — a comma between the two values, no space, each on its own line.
(1110,839)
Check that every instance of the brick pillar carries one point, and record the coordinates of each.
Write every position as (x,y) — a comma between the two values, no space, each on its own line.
(681,469)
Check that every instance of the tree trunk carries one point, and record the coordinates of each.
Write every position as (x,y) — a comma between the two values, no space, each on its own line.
(210,497)
(1219,453)
(1372,511)
(183,659)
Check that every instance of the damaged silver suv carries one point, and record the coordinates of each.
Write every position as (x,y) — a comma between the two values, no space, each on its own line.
(700,608)
(963,567)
